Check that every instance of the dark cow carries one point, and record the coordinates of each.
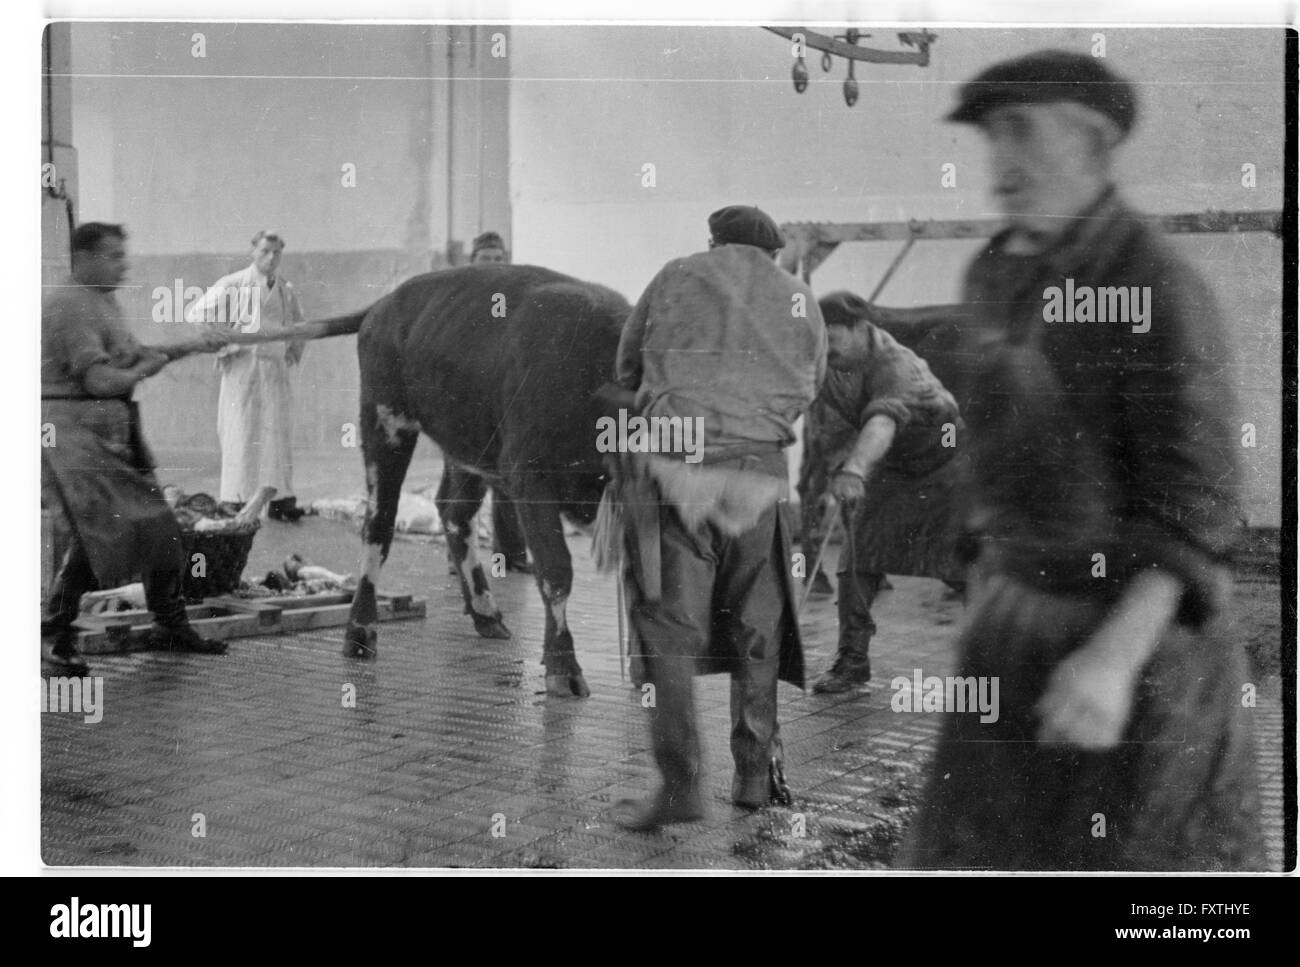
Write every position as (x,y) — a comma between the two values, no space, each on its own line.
(498,365)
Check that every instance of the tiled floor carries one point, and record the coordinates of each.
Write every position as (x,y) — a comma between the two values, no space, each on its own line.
(453,757)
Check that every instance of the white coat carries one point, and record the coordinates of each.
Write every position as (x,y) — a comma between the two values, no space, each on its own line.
(254,410)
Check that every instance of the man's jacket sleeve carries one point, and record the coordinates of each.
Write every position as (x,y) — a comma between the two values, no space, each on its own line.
(220,306)
(79,346)
(1176,444)
(210,305)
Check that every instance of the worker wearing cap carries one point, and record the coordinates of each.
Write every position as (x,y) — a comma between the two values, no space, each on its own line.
(1103,513)
(729,341)
(488,248)
(889,433)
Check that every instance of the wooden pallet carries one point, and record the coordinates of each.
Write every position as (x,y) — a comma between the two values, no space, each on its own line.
(230,617)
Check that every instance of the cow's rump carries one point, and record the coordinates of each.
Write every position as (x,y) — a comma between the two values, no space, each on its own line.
(491,359)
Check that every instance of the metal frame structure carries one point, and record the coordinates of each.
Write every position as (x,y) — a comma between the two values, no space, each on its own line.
(812,243)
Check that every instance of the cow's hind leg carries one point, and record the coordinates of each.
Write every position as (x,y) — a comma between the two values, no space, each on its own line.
(458,502)
(544,531)
(387,441)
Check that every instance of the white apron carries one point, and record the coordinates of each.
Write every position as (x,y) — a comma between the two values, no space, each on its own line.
(254,409)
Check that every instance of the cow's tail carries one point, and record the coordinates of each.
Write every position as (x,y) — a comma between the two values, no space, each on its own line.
(337,326)
(347,325)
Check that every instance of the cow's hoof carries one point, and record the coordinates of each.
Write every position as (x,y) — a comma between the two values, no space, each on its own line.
(360,642)
(564,686)
(490,627)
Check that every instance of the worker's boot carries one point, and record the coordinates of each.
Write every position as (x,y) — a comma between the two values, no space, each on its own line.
(662,809)
(62,656)
(183,638)
(774,792)
(58,633)
(285,509)
(852,667)
(171,630)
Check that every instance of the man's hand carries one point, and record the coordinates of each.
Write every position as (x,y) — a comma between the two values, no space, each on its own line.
(209,340)
(106,379)
(1089,696)
(151,361)
(213,339)
(1088,701)
(848,487)
(293,352)
(873,442)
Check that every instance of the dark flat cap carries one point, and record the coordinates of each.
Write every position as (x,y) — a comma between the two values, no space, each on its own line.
(745,225)
(487,240)
(843,309)
(1046,77)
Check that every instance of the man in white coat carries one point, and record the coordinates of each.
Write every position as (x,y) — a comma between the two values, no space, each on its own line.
(254,415)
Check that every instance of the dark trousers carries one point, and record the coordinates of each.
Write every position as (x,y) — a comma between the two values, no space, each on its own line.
(857,591)
(162,592)
(725,592)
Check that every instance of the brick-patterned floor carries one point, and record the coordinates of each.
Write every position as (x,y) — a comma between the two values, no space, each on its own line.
(453,757)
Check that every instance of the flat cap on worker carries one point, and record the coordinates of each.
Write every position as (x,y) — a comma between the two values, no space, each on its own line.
(843,309)
(487,240)
(1046,77)
(745,225)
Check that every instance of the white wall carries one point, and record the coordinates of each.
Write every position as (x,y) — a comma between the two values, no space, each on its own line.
(715,111)
(196,153)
